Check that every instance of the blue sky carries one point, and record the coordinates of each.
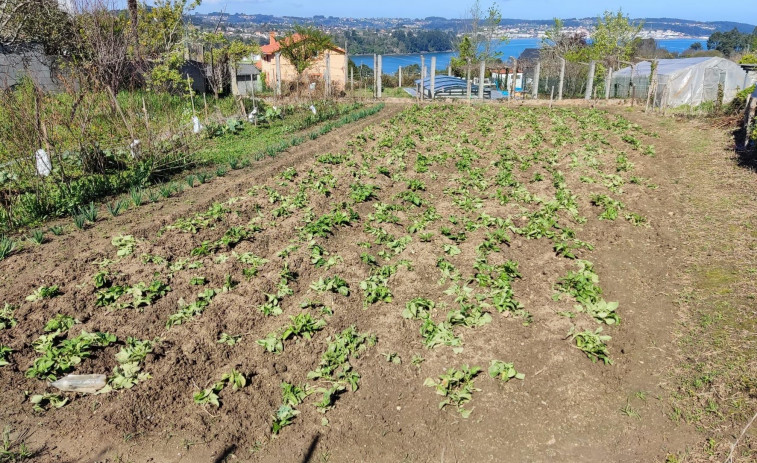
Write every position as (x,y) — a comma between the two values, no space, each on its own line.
(709,10)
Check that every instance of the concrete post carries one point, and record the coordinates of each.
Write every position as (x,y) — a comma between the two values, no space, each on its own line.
(590,82)
(346,65)
(481,72)
(433,76)
(327,74)
(535,86)
(378,80)
(400,79)
(423,77)
(278,74)
(562,78)
(449,71)
(608,83)
(514,82)
(468,84)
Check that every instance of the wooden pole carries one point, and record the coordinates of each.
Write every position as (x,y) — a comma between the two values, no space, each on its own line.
(652,85)
(562,78)
(468,85)
(551,97)
(375,80)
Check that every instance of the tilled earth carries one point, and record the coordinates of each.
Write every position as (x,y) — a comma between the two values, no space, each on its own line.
(481,210)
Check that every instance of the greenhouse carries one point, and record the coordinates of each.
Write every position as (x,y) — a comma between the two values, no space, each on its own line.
(688,81)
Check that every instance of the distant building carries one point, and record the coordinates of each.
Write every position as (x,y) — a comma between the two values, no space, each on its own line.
(316,71)
(30,60)
(245,79)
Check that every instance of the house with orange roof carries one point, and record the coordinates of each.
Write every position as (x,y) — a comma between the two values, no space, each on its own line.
(337,59)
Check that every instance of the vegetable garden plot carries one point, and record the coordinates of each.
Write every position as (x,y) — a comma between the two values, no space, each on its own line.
(408,247)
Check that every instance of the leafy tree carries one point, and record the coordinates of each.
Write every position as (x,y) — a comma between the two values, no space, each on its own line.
(613,39)
(558,43)
(302,47)
(729,42)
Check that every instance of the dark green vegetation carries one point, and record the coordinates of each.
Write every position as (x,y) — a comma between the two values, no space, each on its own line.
(76,181)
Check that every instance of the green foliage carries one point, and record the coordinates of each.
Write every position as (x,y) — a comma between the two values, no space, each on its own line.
(228,339)
(293,395)
(593,345)
(602,311)
(6,316)
(334,365)
(125,245)
(363,192)
(61,357)
(188,311)
(418,309)
(7,246)
(302,325)
(582,284)
(37,237)
(456,385)
(5,352)
(504,371)
(284,417)
(335,284)
(44,292)
(43,402)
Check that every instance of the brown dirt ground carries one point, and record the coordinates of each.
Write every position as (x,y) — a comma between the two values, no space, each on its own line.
(566,409)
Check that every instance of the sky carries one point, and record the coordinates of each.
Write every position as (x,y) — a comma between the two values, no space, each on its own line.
(700,10)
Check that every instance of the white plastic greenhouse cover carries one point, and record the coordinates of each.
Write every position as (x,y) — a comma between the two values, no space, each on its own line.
(689,81)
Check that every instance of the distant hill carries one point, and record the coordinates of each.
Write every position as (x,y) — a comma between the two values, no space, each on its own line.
(682,26)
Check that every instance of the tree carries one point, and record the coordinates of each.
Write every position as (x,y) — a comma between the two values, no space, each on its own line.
(613,39)
(558,43)
(302,46)
(134,15)
(728,42)
(41,21)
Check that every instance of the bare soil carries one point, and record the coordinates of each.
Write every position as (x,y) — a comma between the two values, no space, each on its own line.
(566,409)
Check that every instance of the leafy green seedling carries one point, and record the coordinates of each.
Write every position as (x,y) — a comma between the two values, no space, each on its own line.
(456,386)
(228,339)
(6,316)
(43,292)
(284,417)
(593,345)
(125,245)
(271,343)
(42,402)
(504,371)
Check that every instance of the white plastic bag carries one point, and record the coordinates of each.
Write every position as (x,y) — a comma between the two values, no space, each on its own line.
(44,166)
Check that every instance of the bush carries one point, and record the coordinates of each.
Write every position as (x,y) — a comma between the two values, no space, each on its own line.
(749,58)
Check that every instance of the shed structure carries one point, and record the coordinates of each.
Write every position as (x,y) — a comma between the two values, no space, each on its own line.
(27,60)
(687,81)
(245,79)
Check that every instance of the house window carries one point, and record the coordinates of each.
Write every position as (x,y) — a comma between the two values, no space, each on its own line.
(244,78)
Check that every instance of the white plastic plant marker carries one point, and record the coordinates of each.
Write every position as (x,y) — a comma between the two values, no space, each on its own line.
(81,383)
(196,126)
(312,109)
(44,166)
